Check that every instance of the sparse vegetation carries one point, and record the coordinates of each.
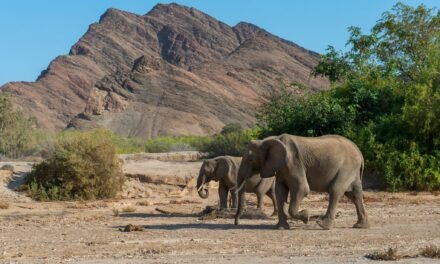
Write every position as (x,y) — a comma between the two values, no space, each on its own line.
(83,166)
(390,254)
(115,212)
(430,252)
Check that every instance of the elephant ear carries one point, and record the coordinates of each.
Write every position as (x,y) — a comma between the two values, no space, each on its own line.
(275,156)
(221,168)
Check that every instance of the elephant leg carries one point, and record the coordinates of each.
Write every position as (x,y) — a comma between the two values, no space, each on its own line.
(336,191)
(260,201)
(297,194)
(281,197)
(223,196)
(234,199)
(271,194)
(240,207)
(356,196)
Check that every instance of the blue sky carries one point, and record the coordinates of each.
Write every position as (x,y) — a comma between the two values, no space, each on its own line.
(35,32)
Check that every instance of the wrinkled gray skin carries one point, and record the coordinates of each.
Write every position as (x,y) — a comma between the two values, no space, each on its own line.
(330,164)
(224,170)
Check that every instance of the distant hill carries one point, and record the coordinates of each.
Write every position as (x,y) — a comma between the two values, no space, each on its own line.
(172,71)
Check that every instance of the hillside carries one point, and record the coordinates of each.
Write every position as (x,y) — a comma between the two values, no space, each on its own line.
(172,71)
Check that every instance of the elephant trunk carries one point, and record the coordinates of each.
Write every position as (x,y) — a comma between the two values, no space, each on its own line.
(203,192)
(244,172)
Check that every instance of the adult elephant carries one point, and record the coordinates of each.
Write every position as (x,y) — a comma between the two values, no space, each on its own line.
(330,164)
(224,170)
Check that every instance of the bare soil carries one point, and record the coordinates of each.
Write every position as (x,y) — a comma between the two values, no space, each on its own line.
(93,232)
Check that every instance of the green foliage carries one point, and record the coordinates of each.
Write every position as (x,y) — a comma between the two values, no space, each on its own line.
(412,170)
(231,127)
(233,143)
(182,143)
(122,144)
(385,97)
(83,165)
(311,115)
(16,130)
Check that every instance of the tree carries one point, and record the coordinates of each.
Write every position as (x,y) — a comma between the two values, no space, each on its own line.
(16,129)
(385,97)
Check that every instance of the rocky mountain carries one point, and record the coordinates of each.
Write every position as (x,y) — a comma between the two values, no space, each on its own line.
(172,71)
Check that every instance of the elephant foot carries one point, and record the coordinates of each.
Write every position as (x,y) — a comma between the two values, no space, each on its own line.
(325,223)
(282,226)
(304,216)
(362,224)
(236,222)
(275,213)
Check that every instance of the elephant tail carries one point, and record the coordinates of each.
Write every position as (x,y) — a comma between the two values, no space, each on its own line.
(362,169)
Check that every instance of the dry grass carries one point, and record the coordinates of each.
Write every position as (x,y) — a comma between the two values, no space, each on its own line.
(390,254)
(115,212)
(184,201)
(132,228)
(4,205)
(430,252)
(128,209)
(435,193)
(144,203)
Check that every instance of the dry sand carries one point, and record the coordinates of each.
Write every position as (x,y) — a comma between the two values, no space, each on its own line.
(89,232)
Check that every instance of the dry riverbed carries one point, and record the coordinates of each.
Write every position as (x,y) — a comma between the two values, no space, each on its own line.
(90,232)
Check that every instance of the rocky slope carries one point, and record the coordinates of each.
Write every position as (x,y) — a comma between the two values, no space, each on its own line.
(172,71)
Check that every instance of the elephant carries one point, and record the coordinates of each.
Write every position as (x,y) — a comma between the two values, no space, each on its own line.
(329,163)
(224,170)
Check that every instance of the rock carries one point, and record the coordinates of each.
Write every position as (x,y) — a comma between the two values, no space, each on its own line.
(172,71)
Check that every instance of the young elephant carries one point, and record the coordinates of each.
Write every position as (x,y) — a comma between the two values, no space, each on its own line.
(224,170)
(330,164)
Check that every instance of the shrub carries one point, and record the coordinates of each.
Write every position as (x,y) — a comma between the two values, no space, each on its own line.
(182,143)
(16,130)
(385,97)
(310,115)
(82,166)
(233,143)
(231,127)
(122,144)
(412,170)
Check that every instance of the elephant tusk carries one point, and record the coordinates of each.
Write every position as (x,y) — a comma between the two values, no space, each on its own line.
(201,186)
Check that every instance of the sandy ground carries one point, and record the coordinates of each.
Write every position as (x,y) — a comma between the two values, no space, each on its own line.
(89,232)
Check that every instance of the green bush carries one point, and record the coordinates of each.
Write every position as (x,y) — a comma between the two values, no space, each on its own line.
(122,144)
(233,143)
(385,97)
(83,165)
(310,115)
(411,170)
(182,143)
(17,130)
(231,127)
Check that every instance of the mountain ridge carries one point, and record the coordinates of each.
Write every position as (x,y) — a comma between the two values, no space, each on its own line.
(113,76)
